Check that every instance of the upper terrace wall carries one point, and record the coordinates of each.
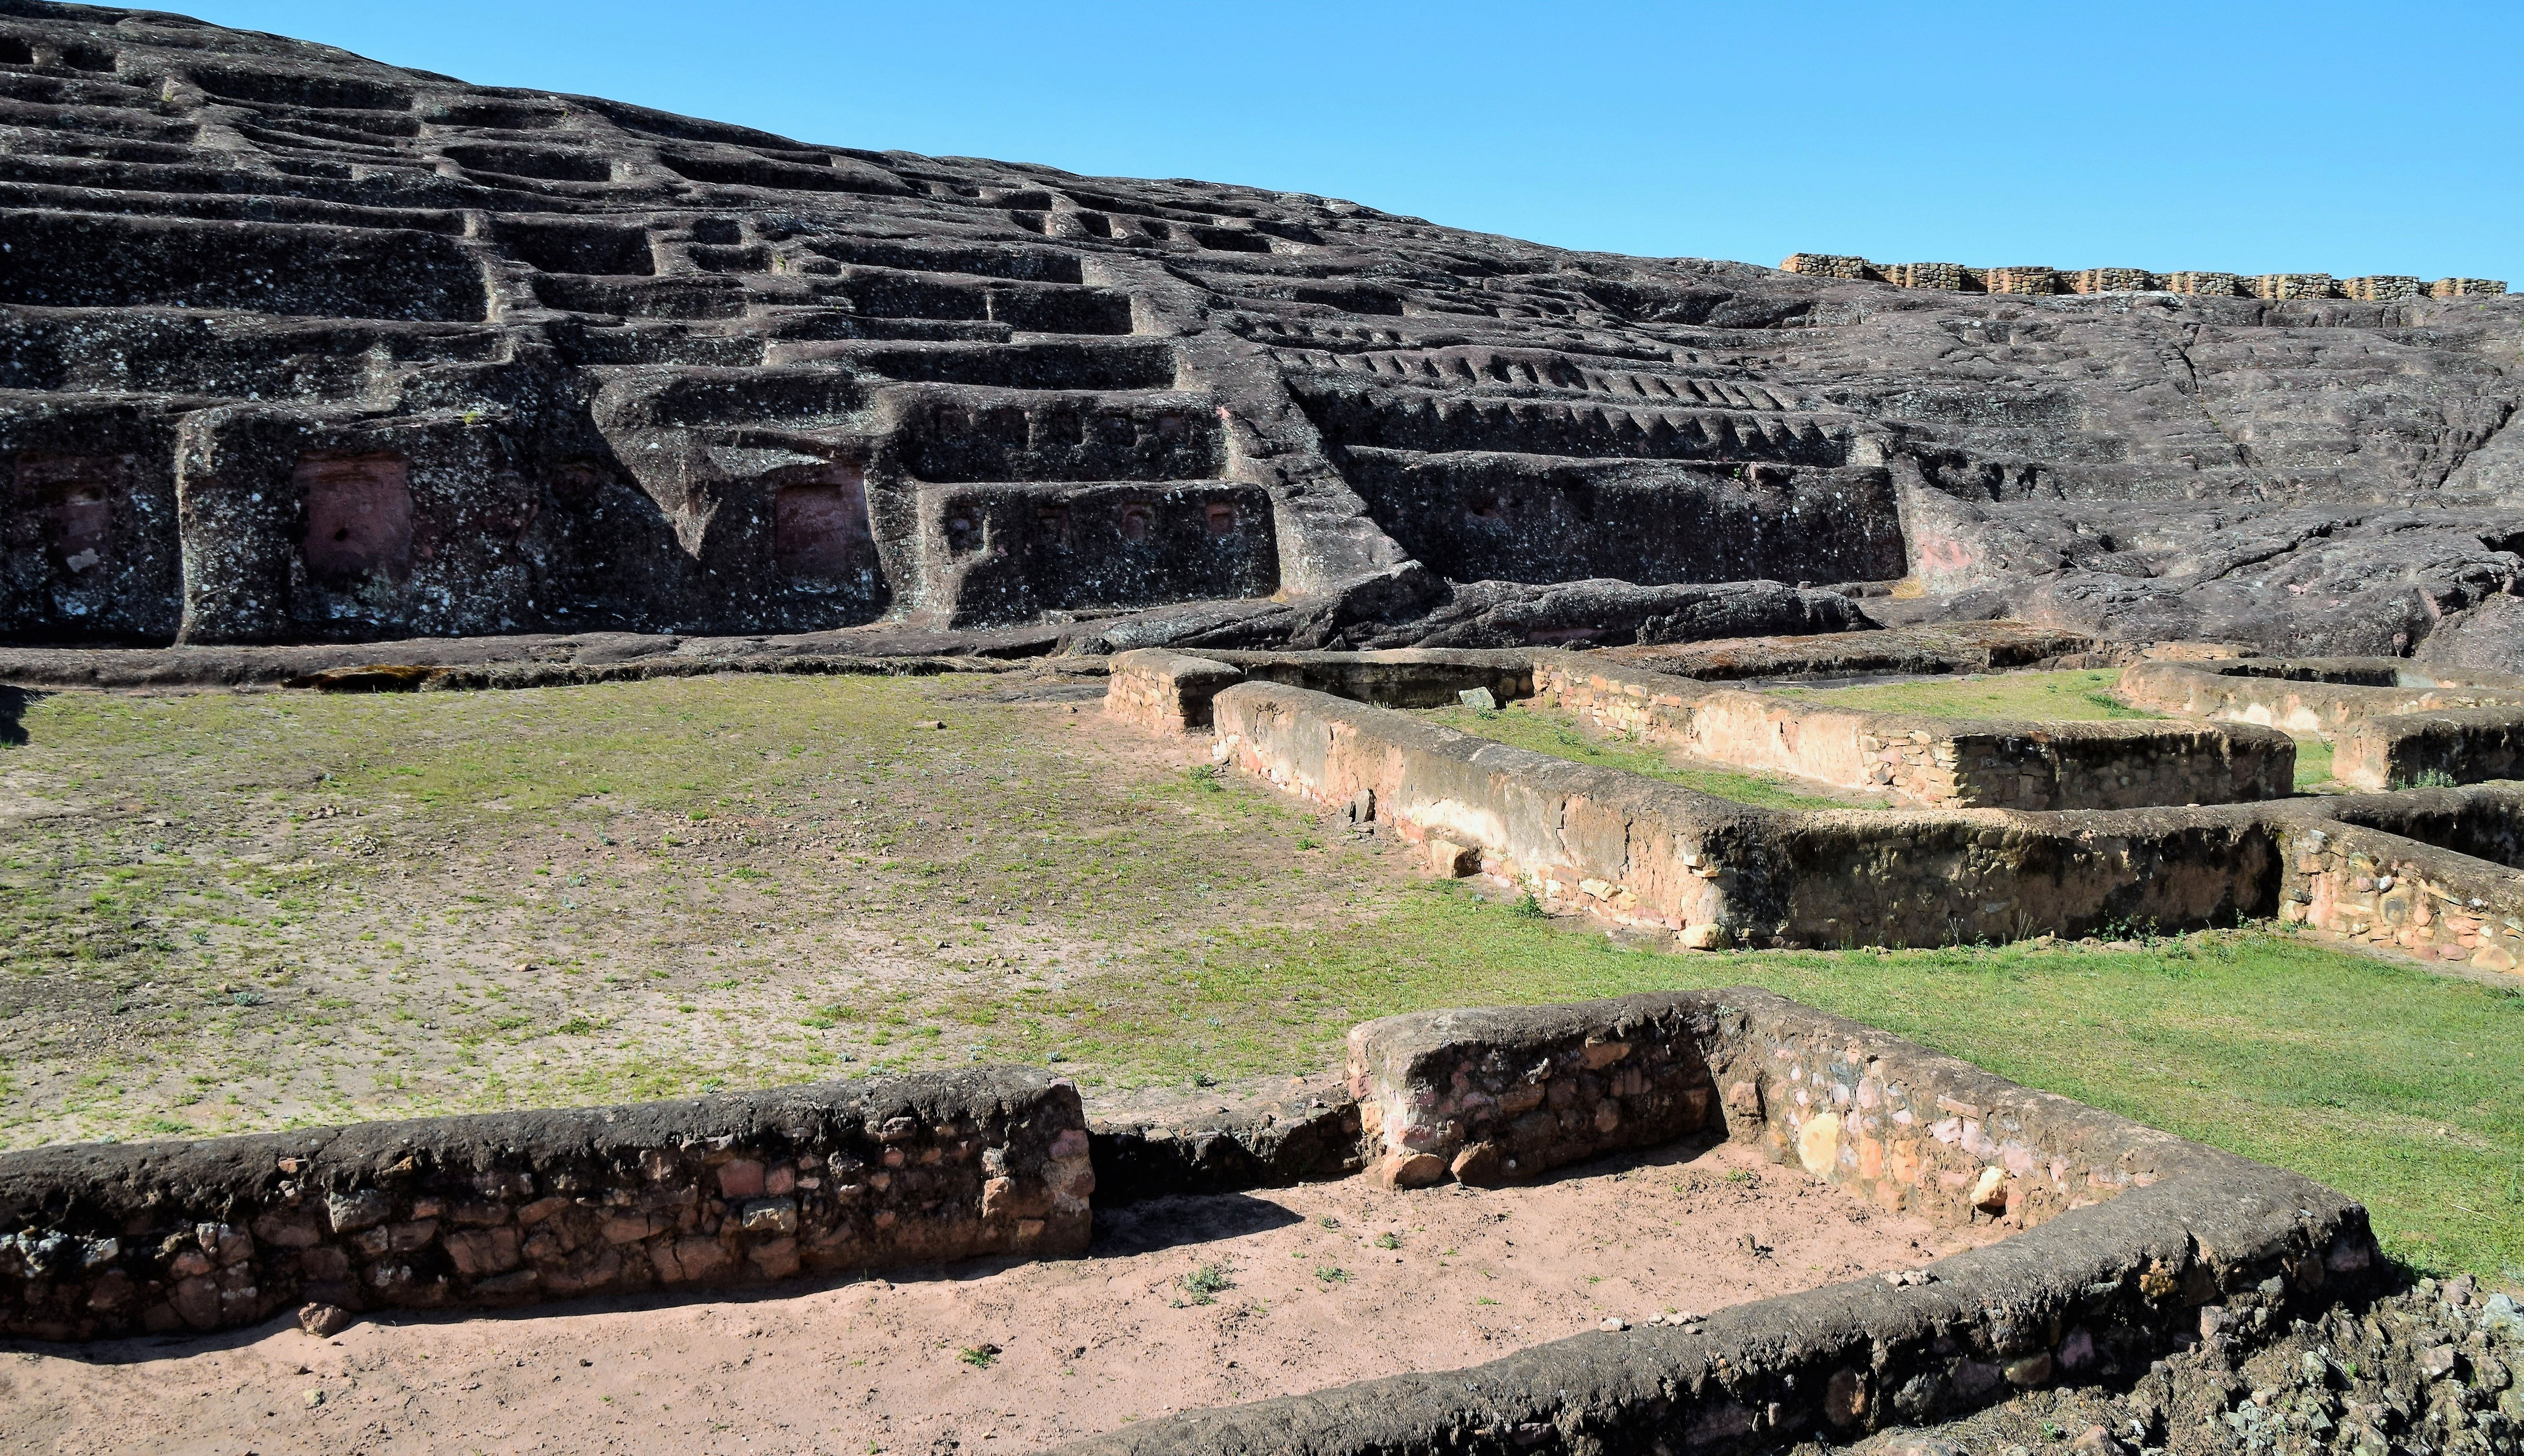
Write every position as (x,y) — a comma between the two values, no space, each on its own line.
(1956,278)
(1495,516)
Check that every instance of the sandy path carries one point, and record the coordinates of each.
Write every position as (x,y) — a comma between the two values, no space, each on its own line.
(1057,1351)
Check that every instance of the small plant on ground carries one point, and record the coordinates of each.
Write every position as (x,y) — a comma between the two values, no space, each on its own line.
(1206,1283)
(1332,1274)
(979,1356)
(1389,1240)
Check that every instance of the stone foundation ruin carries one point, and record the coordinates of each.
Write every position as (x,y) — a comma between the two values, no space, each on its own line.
(301,351)
(2021,830)
(2120,1237)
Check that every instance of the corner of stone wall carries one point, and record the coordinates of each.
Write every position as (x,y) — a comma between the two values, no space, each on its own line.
(1166,691)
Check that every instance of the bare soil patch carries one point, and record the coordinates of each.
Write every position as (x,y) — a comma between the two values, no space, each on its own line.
(1185,1303)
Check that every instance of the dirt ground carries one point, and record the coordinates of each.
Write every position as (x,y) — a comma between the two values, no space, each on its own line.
(1184,1303)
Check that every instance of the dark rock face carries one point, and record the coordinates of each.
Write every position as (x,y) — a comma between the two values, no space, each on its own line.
(295,346)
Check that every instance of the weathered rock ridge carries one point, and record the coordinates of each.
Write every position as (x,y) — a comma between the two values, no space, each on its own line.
(302,347)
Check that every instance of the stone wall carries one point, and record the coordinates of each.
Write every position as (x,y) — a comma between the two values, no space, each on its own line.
(513,1208)
(1405,677)
(1638,852)
(1487,1098)
(1165,692)
(1929,761)
(2393,724)
(2364,885)
(2382,288)
(1944,646)
(2484,822)
(2455,745)
(1169,691)
(2131,1242)
(2034,280)
(1952,277)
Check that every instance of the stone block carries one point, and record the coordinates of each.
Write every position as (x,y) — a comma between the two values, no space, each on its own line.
(2028,280)
(2281,286)
(1827,266)
(1944,277)
(2204,285)
(2111,280)
(1166,691)
(2381,288)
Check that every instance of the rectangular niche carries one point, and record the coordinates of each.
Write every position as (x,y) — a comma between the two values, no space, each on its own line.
(358,518)
(819,526)
(64,508)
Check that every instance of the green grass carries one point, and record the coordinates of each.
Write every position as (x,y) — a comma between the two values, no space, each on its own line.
(2376,1077)
(190,944)
(1547,732)
(2083,696)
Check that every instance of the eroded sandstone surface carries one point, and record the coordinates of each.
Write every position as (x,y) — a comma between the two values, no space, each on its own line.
(300,346)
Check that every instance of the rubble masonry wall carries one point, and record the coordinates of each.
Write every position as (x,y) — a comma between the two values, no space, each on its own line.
(101,1239)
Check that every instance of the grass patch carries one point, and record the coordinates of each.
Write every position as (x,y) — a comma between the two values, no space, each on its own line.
(2375,1077)
(1545,731)
(2083,696)
(191,943)
(2312,763)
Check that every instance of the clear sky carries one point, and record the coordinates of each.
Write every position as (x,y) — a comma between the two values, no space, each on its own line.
(2243,137)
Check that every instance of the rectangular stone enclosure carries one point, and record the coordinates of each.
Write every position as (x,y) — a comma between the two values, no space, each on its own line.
(2122,1234)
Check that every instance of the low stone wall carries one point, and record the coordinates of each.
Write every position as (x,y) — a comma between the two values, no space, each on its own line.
(1944,646)
(2128,1235)
(1154,1142)
(1929,761)
(2391,723)
(2481,822)
(1488,1098)
(1719,873)
(1165,692)
(2366,885)
(1408,677)
(511,1208)
(1170,692)
(2457,746)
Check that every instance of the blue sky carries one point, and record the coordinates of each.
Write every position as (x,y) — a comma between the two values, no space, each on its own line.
(2238,137)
